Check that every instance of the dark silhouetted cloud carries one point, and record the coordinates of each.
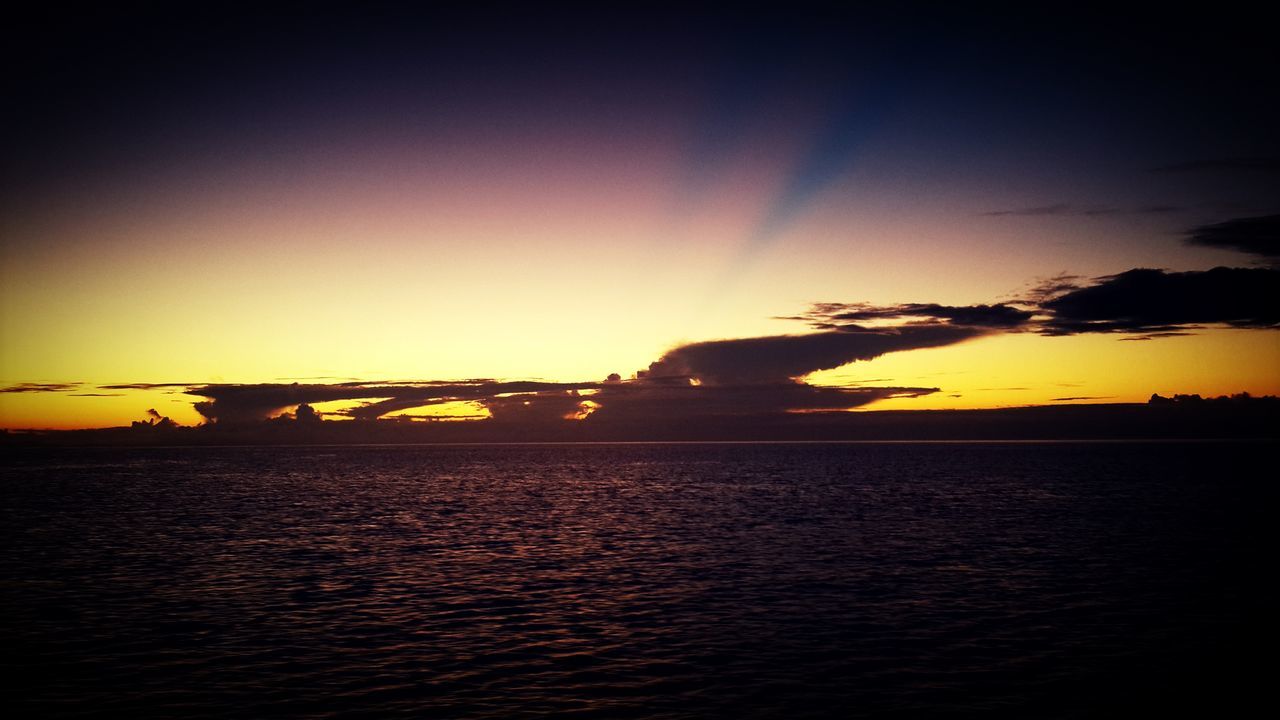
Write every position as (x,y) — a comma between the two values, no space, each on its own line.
(306,414)
(245,403)
(1142,304)
(1155,301)
(1254,235)
(534,407)
(640,402)
(718,379)
(1043,289)
(1082,397)
(1065,209)
(832,315)
(782,357)
(41,387)
(728,383)
(146,386)
(1157,335)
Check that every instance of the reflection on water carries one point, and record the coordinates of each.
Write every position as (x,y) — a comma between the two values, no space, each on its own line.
(635,580)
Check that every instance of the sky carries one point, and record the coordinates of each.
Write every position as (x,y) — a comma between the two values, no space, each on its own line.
(805,209)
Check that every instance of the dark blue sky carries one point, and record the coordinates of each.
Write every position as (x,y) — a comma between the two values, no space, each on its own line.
(88,87)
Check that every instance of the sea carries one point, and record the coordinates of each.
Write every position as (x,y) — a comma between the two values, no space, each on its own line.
(716,580)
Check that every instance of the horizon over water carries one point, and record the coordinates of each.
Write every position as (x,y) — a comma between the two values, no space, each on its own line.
(667,580)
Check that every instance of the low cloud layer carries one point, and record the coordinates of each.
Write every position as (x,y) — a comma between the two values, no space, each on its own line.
(639,400)
(241,403)
(780,358)
(733,378)
(763,378)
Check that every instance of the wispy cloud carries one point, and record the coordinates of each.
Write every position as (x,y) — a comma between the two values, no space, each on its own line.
(836,315)
(1157,335)
(1231,164)
(1058,209)
(41,387)
(1069,210)
(1253,235)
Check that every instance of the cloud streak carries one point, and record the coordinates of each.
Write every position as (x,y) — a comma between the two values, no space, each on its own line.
(41,387)
(1233,164)
(1068,210)
(146,386)
(1253,235)
(780,358)
(1141,304)
(1058,209)
(1145,301)
(997,316)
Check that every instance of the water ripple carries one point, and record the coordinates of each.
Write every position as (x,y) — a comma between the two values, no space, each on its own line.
(753,581)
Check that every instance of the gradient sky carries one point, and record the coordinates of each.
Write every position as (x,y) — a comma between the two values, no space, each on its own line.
(250,198)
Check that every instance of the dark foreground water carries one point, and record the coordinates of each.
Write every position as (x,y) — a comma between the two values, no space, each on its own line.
(757,580)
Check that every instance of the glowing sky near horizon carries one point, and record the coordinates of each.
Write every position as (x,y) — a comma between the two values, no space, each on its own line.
(519,207)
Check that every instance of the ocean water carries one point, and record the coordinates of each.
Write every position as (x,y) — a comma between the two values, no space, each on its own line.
(651,580)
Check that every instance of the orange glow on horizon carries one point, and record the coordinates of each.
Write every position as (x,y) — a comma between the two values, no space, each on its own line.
(585,408)
(997,371)
(451,411)
(559,255)
(1013,370)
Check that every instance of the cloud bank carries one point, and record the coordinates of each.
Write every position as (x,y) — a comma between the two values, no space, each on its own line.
(764,376)
(762,379)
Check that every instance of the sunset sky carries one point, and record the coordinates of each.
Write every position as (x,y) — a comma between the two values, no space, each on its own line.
(408,200)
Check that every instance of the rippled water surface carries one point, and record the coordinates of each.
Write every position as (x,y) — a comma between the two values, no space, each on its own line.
(755,580)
